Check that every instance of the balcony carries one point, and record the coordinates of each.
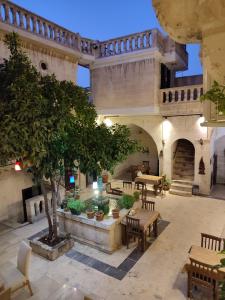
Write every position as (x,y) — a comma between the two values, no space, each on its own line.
(181,100)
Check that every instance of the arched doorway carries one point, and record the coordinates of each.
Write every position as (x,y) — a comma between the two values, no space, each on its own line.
(148,158)
(183,160)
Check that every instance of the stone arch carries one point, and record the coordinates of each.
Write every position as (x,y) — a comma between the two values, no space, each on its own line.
(183,159)
(148,157)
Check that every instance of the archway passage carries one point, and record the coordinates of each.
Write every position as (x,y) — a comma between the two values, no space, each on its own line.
(183,160)
(146,160)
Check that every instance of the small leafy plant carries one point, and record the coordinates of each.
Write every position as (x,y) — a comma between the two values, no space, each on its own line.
(127,201)
(216,95)
(136,195)
(76,206)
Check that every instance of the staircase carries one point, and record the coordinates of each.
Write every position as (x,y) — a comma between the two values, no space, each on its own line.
(183,169)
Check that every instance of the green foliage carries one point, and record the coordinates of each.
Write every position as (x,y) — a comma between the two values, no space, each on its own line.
(76,206)
(126,201)
(104,207)
(136,195)
(216,95)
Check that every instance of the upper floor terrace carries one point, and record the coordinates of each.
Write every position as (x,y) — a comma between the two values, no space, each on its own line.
(34,28)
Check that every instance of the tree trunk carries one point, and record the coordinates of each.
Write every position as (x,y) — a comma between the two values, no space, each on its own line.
(54,207)
(50,228)
(58,196)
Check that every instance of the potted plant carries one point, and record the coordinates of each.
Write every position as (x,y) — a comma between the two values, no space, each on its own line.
(115,213)
(99,215)
(136,195)
(105,176)
(90,213)
(127,201)
(76,206)
(166,184)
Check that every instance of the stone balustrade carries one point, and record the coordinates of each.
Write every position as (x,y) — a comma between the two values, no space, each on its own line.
(129,43)
(21,18)
(36,208)
(181,94)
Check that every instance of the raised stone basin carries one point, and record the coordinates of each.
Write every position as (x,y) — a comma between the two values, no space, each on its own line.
(104,235)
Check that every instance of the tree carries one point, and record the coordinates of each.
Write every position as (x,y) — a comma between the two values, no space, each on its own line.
(216,95)
(50,125)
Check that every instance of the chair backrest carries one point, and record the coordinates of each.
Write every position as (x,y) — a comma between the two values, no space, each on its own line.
(5,294)
(133,225)
(203,274)
(127,184)
(149,205)
(23,258)
(211,242)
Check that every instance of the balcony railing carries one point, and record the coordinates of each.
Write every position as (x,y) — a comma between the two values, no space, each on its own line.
(21,18)
(181,94)
(129,43)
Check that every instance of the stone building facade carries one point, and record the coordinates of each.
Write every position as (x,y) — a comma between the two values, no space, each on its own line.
(133,82)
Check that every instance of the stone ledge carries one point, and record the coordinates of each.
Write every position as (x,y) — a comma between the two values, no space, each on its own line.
(51,253)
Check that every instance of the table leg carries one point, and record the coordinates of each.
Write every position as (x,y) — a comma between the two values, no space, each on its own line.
(155,225)
(143,242)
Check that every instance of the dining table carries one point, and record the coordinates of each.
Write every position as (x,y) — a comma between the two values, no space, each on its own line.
(147,218)
(206,256)
(156,181)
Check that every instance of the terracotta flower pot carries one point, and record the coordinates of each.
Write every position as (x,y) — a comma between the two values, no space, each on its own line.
(99,216)
(105,178)
(115,213)
(90,214)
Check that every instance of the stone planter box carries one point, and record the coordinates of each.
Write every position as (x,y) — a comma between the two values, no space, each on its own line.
(104,235)
(51,253)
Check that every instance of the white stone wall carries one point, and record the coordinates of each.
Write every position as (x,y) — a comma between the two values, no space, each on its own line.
(170,130)
(62,68)
(126,85)
(11,185)
(219,150)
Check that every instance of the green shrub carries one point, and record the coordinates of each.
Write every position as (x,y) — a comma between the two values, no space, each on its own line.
(76,206)
(126,201)
(136,195)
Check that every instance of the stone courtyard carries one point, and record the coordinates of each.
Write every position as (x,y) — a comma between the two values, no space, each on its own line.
(154,274)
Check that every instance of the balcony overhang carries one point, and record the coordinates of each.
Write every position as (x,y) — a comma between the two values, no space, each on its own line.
(197,21)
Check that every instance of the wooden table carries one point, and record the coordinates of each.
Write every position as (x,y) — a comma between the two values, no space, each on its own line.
(150,179)
(146,218)
(206,256)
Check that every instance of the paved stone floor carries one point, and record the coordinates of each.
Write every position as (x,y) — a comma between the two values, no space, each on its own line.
(155,275)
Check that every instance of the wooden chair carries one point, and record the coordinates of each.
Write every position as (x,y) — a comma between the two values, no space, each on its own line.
(18,277)
(211,242)
(127,184)
(133,229)
(110,190)
(202,276)
(149,205)
(140,185)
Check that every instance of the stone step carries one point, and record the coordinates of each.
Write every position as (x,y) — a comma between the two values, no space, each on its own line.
(184,159)
(181,187)
(184,164)
(182,156)
(180,167)
(183,177)
(180,193)
(185,173)
(186,182)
